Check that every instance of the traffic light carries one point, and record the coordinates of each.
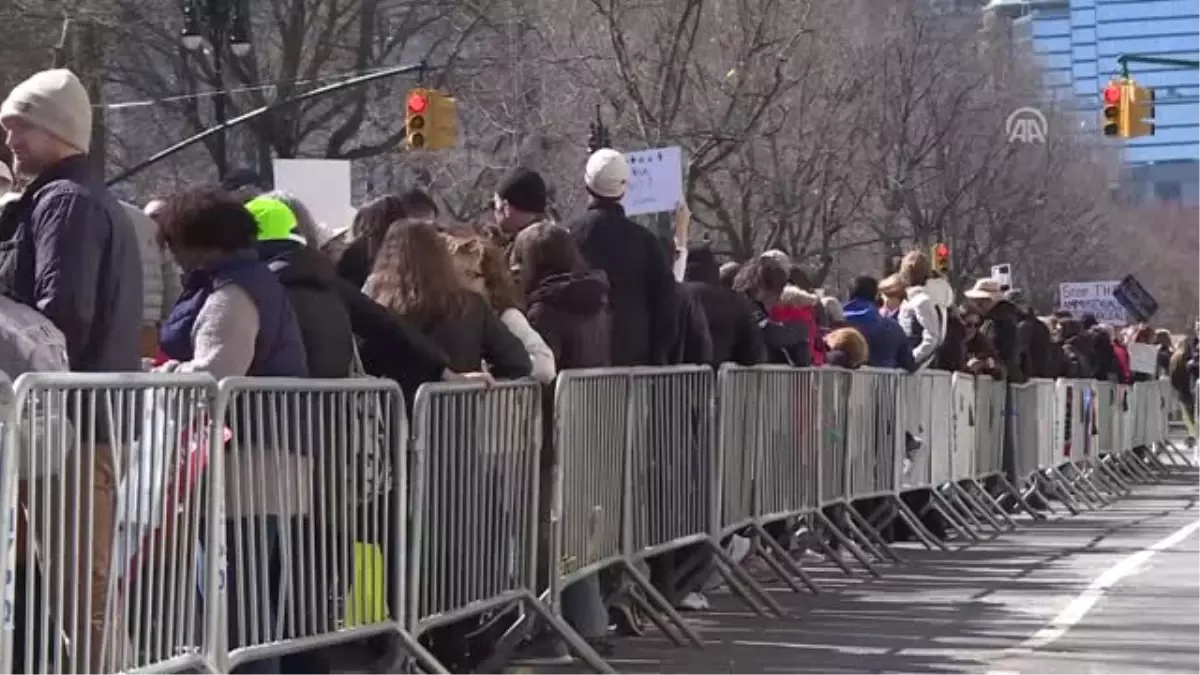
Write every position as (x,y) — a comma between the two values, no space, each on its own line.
(431,120)
(415,120)
(443,122)
(1139,101)
(941,258)
(1115,114)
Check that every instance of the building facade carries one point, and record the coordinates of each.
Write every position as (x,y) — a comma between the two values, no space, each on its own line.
(1078,43)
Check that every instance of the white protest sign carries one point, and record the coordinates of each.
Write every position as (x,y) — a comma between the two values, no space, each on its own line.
(1092,297)
(1143,358)
(324,187)
(657,182)
(1002,274)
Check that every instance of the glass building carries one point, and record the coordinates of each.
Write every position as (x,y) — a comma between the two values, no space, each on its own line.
(1078,42)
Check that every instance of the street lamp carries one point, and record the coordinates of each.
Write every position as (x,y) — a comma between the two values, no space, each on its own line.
(220,23)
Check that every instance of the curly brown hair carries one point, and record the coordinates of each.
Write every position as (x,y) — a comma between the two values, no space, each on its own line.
(414,275)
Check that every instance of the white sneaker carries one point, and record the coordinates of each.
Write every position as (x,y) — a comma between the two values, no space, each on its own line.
(694,602)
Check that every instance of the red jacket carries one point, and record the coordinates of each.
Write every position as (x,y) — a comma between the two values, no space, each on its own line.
(807,316)
(1122,354)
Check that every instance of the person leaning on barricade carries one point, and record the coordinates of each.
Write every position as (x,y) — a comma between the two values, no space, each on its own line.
(234,319)
(568,307)
(72,254)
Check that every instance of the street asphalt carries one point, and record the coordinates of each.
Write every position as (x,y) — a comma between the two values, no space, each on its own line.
(1067,583)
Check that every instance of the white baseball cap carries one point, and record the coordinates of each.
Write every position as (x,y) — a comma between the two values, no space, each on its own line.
(607,174)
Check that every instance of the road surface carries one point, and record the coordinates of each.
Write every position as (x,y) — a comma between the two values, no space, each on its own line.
(1109,591)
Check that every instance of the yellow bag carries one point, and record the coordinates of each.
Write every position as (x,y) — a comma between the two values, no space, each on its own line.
(366,603)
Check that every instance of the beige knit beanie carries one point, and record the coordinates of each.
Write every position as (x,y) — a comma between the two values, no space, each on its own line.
(54,100)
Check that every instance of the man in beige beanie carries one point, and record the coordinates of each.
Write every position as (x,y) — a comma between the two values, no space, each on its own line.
(73,255)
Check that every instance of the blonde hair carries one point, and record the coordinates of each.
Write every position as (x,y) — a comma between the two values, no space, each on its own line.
(850,342)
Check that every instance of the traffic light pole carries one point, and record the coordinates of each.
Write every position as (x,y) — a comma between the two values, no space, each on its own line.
(254,114)
(1125,59)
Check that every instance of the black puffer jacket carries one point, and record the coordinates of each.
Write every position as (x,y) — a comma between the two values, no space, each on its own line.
(1037,352)
(311,283)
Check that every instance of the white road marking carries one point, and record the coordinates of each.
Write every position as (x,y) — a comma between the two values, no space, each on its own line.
(1079,607)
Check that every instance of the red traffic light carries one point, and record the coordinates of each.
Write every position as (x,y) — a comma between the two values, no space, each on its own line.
(417,103)
(942,251)
(1112,94)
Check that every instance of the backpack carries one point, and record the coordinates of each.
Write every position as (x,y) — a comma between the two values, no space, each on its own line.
(29,342)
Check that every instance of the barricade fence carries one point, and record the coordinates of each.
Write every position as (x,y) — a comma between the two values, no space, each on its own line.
(172,523)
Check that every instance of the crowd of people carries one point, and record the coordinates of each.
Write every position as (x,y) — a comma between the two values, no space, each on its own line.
(234,279)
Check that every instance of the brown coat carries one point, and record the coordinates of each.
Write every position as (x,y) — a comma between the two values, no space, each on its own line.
(570,312)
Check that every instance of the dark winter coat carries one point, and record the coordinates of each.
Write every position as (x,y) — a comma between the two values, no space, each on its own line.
(730,315)
(474,336)
(693,344)
(1075,362)
(887,345)
(1000,329)
(1037,348)
(641,289)
(68,249)
(389,345)
(570,312)
(311,283)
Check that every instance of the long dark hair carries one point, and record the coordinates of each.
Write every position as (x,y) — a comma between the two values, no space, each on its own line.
(544,250)
(414,275)
(373,220)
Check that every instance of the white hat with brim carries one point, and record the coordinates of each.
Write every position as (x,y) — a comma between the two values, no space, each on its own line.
(986,289)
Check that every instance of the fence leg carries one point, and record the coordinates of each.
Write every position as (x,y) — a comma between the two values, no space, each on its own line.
(1035,490)
(1172,449)
(950,494)
(984,506)
(867,533)
(1109,476)
(1121,470)
(656,607)
(742,583)
(946,509)
(580,646)
(778,557)
(1081,488)
(1064,490)
(991,504)
(1089,489)
(928,539)
(1151,458)
(819,518)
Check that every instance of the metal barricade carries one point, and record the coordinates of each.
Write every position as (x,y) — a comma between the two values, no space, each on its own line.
(874,438)
(914,468)
(1027,427)
(591,421)
(835,418)
(314,523)
(1104,408)
(113,484)
(990,396)
(962,392)
(8,525)
(475,506)
(938,431)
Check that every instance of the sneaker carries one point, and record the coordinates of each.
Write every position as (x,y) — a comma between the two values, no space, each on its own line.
(693,602)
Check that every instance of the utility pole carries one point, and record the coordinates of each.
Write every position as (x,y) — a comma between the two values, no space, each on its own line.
(222,23)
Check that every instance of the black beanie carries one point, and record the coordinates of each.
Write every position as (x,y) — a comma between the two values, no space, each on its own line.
(524,190)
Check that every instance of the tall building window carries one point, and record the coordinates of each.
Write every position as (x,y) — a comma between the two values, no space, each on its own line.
(1168,191)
